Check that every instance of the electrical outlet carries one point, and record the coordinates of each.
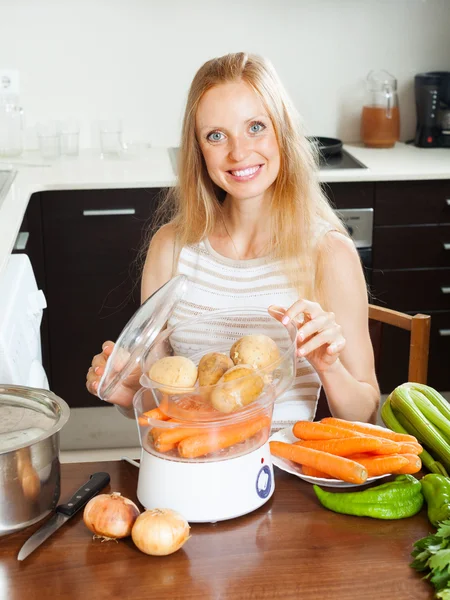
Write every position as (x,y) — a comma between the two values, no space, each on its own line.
(9,81)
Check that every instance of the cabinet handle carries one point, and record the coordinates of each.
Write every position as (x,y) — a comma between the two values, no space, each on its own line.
(109,212)
(445,290)
(446,246)
(22,241)
(444,332)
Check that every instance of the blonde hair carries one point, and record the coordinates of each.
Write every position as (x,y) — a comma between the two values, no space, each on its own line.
(298,202)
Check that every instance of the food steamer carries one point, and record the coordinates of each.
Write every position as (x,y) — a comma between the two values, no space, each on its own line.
(224,470)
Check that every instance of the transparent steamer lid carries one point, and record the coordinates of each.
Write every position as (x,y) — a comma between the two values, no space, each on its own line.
(138,335)
(28,415)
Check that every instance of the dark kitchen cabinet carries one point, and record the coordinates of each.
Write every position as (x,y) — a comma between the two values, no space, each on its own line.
(94,246)
(411,260)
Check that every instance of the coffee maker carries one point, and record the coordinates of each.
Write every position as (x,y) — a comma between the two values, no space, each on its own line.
(433,109)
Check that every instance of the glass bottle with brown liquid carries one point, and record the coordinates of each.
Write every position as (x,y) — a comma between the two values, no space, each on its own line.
(380,121)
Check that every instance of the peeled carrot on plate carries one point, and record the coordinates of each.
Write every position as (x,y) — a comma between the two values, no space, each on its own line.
(369,429)
(336,466)
(381,465)
(312,472)
(353,445)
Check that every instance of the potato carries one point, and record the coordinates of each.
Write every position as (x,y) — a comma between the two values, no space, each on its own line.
(255,350)
(176,371)
(212,366)
(237,388)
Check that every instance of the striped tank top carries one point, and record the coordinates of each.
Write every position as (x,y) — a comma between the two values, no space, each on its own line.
(217,283)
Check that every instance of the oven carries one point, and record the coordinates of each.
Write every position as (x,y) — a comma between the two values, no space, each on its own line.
(359,223)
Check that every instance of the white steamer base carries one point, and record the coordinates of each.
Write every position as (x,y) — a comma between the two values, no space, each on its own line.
(206,492)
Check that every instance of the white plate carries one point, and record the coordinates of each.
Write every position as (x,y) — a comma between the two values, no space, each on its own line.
(286,435)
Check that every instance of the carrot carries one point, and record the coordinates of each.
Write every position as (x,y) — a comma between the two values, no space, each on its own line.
(410,448)
(155,413)
(216,439)
(176,434)
(369,429)
(381,465)
(312,472)
(348,446)
(414,465)
(313,430)
(336,466)
(161,447)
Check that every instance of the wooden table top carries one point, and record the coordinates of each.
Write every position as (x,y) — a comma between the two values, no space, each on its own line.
(291,548)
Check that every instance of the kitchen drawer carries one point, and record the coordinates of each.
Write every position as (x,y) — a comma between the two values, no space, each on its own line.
(395,352)
(412,290)
(350,195)
(412,202)
(439,360)
(97,230)
(411,247)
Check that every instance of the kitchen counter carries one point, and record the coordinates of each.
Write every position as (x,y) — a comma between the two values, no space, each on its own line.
(290,548)
(153,168)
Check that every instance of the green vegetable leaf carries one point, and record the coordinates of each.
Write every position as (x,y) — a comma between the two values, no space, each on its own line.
(443,594)
(444,529)
(440,560)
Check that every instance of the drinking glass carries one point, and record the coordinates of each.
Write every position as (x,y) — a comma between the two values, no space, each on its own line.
(70,135)
(110,132)
(49,136)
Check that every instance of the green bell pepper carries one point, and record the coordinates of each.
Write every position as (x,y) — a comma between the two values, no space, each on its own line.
(396,499)
(436,490)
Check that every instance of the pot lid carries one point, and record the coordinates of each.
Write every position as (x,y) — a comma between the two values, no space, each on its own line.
(28,415)
(136,339)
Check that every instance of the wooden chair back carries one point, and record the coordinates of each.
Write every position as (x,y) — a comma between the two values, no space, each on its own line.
(419,327)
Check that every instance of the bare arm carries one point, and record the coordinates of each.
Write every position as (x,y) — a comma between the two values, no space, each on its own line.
(350,383)
(159,261)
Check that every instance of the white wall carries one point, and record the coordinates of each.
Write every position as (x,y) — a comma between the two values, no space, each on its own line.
(135,58)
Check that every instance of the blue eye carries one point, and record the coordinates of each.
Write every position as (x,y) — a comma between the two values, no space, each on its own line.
(257,127)
(215,136)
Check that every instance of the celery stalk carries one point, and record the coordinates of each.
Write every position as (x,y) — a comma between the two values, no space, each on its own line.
(433,396)
(431,413)
(391,421)
(428,434)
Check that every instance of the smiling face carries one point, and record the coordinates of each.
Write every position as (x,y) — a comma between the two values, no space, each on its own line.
(237,140)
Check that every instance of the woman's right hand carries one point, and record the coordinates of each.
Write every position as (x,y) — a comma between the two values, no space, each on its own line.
(124,394)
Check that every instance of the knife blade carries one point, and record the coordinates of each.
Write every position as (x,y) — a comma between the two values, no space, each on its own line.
(64,512)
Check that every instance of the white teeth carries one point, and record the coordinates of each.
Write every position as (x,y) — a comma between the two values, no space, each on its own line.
(245,172)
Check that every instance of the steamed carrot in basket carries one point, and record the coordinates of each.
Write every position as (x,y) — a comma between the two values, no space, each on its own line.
(348,446)
(155,413)
(175,435)
(312,472)
(369,429)
(161,447)
(217,439)
(336,466)
(381,465)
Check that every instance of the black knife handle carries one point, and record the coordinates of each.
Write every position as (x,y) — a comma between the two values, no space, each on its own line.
(82,496)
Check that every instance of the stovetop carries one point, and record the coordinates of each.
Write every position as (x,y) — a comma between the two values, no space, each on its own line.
(342,160)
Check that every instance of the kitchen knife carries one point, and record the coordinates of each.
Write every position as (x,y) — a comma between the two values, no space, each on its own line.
(63,512)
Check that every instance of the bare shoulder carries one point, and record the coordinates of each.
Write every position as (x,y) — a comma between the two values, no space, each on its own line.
(340,268)
(164,238)
(338,246)
(159,261)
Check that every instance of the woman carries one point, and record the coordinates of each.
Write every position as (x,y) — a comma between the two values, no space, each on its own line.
(251,227)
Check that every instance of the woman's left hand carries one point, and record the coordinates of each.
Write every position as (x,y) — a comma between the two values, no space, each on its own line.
(319,337)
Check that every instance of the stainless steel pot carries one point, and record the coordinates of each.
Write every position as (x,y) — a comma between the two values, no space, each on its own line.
(30,422)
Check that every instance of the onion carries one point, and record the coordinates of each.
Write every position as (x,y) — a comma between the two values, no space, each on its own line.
(160,531)
(110,516)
